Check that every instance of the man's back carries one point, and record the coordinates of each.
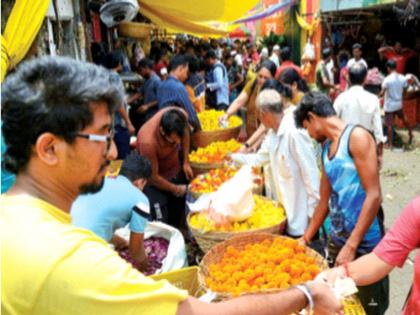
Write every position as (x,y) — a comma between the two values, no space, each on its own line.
(359,107)
(110,208)
(52,267)
(394,85)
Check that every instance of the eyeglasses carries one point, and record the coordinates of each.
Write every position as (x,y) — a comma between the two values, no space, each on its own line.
(99,138)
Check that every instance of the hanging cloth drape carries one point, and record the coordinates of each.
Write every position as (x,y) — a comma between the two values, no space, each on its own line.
(195,17)
(22,26)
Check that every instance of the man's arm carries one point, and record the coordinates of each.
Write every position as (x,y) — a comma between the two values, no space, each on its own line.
(124,115)
(156,180)
(385,49)
(282,303)
(239,80)
(218,79)
(321,211)
(186,157)
(363,149)
(136,250)
(260,158)
(189,108)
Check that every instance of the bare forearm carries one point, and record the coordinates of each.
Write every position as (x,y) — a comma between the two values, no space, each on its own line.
(320,213)
(257,135)
(186,145)
(368,269)
(151,104)
(124,114)
(285,303)
(237,104)
(163,184)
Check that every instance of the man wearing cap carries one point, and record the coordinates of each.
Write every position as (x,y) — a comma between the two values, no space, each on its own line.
(275,55)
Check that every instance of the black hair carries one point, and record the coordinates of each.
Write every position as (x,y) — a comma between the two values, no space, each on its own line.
(290,75)
(356,45)
(282,89)
(174,121)
(357,74)
(193,63)
(391,64)
(177,61)
(270,66)
(145,63)
(52,94)
(326,52)
(210,54)
(136,167)
(313,102)
(285,53)
(111,61)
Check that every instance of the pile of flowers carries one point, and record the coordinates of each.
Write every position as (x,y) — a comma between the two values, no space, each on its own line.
(211,181)
(210,120)
(264,215)
(215,152)
(156,249)
(270,264)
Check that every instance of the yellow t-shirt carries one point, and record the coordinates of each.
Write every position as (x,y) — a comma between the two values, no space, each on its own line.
(49,266)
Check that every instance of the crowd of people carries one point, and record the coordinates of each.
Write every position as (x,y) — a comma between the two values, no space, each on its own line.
(321,148)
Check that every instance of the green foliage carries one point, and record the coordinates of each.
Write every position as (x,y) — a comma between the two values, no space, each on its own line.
(273,39)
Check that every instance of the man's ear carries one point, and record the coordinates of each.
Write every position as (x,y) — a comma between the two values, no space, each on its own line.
(48,147)
(311,116)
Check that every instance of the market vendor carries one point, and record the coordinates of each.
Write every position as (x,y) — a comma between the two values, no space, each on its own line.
(350,191)
(118,203)
(50,266)
(165,141)
(289,152)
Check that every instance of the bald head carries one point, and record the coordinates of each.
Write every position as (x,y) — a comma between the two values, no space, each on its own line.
(269,100)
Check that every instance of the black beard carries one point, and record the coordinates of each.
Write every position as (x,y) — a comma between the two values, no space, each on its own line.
(91,188)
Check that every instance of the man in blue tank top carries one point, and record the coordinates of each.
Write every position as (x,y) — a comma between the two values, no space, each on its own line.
(350,190)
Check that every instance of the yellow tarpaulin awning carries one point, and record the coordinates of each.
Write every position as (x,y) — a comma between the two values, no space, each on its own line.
(22,26)
(191,16)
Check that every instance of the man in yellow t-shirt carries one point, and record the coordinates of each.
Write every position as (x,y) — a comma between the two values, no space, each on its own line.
(49,266)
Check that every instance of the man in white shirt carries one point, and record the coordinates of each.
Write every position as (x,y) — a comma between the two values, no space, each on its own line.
(359,107)
(275,55)
(357,56)
(393,90)
(291,157)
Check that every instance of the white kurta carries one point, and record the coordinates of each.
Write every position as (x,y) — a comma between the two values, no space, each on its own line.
(293,173)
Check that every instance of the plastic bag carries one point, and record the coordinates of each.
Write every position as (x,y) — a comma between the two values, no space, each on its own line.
(177,255)
(233,200)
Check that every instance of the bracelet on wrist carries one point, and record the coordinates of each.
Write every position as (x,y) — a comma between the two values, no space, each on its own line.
(304,288)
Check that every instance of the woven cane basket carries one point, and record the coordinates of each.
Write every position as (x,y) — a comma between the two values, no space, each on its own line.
(209,239)
(215,255)
(201,168)
(204,138)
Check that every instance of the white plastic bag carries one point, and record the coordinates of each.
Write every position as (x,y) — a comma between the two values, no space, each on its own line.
(233,199)
(177,255)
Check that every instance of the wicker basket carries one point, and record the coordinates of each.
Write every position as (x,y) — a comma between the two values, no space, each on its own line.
(256,190)
(135,30)
(204,138)
(207,240)
(201,168)
(216,254)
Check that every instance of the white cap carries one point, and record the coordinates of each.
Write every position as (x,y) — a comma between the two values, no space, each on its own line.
(233,53)
(276,47)
(163,71)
